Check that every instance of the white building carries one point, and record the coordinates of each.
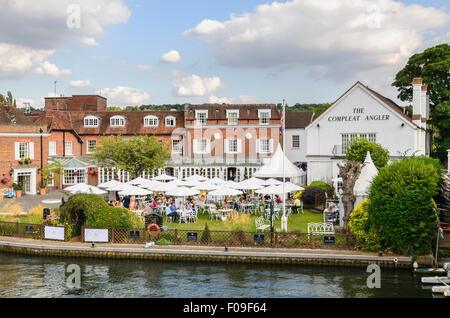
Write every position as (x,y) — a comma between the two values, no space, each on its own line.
(362,112)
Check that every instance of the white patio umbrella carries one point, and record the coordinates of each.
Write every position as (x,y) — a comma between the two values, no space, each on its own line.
(231,184)
(85,189)
(196,178)
(271,182)
(163,187)
(207,186)
(290,187)
(132,190)
(256,180)
(271,190)
(249,185)
(149,184)
(224,191)
(183,192)
(216,180)
(109,184)
(178,183)
(137,181)
(164,177)
(118,187)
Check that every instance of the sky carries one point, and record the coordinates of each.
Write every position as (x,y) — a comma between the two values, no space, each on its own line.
(138,52)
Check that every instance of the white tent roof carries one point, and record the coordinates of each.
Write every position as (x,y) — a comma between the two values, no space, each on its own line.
(368,173)
(183,192)
(85,189)
(274,168)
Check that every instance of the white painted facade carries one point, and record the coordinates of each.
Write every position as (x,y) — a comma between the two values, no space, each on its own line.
(359,112)
(295,154)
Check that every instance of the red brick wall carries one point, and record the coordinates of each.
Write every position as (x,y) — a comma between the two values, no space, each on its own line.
(76,103)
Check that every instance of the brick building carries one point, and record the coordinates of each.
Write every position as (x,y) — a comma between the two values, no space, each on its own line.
(23,149)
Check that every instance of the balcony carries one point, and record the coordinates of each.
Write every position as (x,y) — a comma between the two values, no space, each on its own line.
(339,150)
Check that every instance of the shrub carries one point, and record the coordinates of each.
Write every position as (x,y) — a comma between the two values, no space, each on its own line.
(109,216)
(309,195)
(206,236)
(358,148)
(401,206)
(329,189)
(359,225)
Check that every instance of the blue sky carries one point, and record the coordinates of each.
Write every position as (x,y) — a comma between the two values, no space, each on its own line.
(259,56)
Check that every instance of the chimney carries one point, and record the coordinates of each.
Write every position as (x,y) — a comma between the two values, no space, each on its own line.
(425,103)
(417,101)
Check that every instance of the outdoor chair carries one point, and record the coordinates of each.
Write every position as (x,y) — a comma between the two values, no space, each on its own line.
(213,213)
(184,217)
(260,224)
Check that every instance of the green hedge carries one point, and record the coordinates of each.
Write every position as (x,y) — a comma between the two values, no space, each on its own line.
(401,206)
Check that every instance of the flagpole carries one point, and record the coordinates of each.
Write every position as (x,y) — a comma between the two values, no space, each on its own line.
(284,220)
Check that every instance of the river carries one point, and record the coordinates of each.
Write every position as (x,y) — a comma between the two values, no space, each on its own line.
(25,276)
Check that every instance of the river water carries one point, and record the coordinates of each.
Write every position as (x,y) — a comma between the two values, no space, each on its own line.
(25,276)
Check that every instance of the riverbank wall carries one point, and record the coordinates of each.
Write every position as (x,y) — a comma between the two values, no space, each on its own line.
(203,254)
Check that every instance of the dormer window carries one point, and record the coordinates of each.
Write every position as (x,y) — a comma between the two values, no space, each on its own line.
(201,116)
(117,121)
(171,121)
(233,116)
(264,116)
(151,121)
(91,122)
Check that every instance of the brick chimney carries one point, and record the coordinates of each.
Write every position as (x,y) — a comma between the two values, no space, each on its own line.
(425,105)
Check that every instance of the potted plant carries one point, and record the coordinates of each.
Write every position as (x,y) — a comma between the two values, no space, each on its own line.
(5,180)
(43,185)
(18,189)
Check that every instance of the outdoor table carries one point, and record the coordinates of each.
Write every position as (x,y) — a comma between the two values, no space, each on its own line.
(246,206)
(225,212)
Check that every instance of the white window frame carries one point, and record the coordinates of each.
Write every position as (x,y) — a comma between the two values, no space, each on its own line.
(294,146)
(169,118)
(71,179)
(51,180)
(233,121)
(259,146)
(24,150)
(151,121)
(264,115)
(91,122)
(227,146)
(201,121)
(89,149)
(67,153)
(196,146)
(52,150)
(178,149)
(117,121)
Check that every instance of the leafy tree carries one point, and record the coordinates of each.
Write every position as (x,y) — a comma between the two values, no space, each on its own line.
(358,148)
(401,209)
(433,66)
(134,155)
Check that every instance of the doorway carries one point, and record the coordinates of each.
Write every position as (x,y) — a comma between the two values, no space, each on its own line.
(231,174)
(25,179)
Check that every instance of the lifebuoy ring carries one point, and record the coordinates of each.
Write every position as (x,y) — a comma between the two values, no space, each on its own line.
(152,226)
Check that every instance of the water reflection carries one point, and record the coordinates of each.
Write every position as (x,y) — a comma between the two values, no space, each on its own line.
(22,276)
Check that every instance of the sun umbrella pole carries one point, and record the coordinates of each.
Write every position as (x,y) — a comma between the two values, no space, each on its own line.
(284,219)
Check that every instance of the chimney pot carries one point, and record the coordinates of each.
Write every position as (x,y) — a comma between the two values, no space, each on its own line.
(424,88)
(417,80)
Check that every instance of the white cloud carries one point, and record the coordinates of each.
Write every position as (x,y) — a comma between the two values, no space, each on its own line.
(171,57)
(330,38)
(47,68)
(31,33)
(16,61)
(145,67)
(195,85)
(89,41)
(219,100)
(241,99)
(80,83)
(124,96)
(21,101)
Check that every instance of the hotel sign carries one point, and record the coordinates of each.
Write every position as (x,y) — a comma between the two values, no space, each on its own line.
(358,115)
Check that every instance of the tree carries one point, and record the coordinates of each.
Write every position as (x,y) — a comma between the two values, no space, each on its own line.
(433,67)
(358,148)
(349,173)
(401,209)
(134,155)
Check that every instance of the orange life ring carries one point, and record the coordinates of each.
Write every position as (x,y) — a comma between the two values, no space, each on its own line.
(151,226)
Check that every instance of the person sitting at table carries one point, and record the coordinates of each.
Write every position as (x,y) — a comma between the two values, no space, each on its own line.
(155,204)
(277,199)
(297,205)
(114,202)
(173,212)
(126,202)
(224,204)
(330,208)
(236,206)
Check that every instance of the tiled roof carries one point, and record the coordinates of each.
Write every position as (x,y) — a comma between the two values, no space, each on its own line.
(10,115)
(298,119)
(219,111)
(64,120)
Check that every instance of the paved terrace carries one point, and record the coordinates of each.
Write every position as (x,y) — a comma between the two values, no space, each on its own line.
(203,254)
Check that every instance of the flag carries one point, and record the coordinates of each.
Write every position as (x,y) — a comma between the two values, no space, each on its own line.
(281,124)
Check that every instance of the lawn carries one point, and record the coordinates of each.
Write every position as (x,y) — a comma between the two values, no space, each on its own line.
(297,223)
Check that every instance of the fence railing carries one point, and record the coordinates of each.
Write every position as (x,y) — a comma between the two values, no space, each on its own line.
(231,238)
(28,230)
(195,237)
